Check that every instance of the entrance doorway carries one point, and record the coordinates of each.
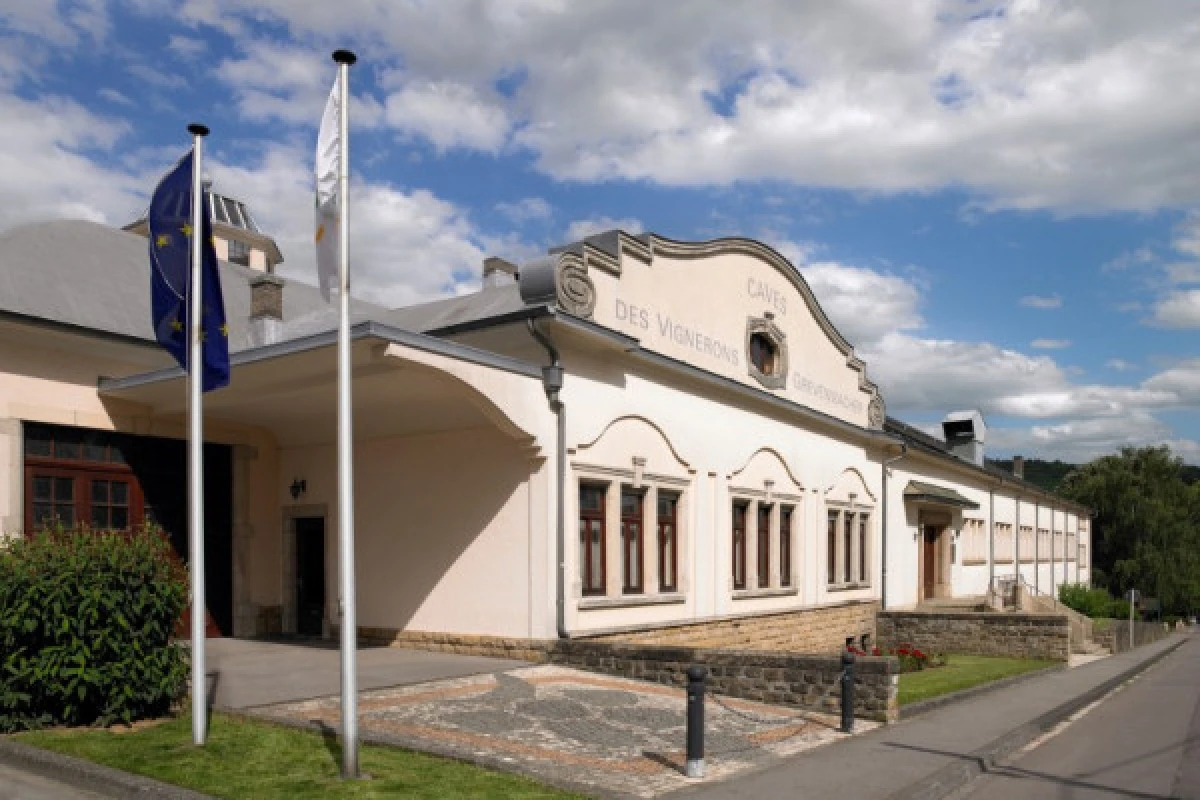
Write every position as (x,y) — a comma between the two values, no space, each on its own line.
(929,559)
(310,575)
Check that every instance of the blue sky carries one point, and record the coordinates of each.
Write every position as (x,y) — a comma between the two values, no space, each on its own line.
(997,202)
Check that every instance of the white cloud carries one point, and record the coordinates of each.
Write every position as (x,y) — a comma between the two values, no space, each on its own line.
(1068,106)
(186,47)
(159,79)
(278,81)
(582,228)
(1120,365)
(449,115)
(407,246)
(526,209)
(113,96)
(1050,344)
(44,175)
(1178,309)
(1042,302)
(60,22)
(863,304)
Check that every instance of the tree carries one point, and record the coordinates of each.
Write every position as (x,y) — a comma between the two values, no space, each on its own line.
(1146,532)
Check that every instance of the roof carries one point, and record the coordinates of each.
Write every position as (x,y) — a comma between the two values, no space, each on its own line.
(931,445)
(937,495)
(87,275)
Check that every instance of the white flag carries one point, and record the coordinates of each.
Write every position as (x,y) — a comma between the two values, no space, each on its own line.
(328,202)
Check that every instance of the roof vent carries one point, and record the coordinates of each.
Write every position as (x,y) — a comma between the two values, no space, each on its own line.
(965,434)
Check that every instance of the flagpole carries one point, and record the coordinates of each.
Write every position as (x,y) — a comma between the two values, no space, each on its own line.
(196,443)
(349,621)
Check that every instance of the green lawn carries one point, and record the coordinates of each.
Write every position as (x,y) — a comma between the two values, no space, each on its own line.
(962,672)
(245,759)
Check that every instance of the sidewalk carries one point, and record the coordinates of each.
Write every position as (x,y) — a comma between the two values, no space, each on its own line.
(929,756)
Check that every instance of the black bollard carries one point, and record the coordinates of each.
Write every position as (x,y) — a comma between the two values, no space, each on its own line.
(847,692)
(695,721)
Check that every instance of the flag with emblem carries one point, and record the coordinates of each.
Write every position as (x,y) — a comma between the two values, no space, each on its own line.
(328,160)
(170,222)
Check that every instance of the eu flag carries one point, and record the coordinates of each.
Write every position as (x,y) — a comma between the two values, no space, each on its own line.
(170,220)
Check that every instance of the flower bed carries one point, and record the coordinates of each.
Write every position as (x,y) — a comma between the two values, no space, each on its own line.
(912,659)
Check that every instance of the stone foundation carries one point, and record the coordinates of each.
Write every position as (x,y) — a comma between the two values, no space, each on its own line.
(810,630)
(1016,635)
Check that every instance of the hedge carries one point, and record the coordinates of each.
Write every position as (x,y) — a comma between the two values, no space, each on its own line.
(86,624)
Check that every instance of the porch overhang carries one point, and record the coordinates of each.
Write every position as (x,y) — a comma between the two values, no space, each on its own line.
(934,495)
(403,383)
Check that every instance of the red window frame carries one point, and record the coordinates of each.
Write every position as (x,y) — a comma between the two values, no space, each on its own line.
(592,522)
(785,545)
(764,546)
(633,576)
(668,542)
(739,543)
(83,474)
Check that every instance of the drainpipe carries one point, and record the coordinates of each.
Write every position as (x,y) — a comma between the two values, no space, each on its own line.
(883,530)
(552,381)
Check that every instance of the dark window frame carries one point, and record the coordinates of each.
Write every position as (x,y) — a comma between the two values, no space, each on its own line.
(763,543)
(668,545)
(740,510)
(633,541)
(848,519)
(864,523)
(594,583)
(785,545)
(832,521)
(82,502)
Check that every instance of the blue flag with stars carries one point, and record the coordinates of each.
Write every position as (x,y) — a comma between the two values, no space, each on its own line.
(170,220)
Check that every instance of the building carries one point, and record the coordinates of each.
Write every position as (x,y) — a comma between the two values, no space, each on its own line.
(629,434)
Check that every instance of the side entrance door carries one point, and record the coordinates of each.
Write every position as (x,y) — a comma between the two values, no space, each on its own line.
(929,557)
(310,575)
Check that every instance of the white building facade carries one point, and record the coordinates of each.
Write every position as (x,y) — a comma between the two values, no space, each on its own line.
(631,433)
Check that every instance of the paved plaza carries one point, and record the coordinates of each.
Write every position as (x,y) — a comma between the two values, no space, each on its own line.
(570,728)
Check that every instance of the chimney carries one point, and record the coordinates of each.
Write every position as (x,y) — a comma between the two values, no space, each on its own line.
(1019,467)
(498,272)
(965,434)
(266,309)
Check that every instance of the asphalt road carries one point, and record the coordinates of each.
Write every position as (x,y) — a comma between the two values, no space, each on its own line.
(17,784)
(1142,743)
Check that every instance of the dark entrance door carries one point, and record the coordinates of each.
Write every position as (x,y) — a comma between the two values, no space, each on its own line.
(310,575)
(929,557)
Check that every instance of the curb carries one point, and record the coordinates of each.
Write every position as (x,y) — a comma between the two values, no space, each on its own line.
(88,776)
(915,709)
(949,779)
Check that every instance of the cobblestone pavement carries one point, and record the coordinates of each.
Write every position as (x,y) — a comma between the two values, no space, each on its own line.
(571,728)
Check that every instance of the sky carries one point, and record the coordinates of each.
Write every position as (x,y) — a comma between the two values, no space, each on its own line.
(996,202)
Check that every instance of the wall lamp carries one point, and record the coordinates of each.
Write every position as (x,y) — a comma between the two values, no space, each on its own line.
(299,486)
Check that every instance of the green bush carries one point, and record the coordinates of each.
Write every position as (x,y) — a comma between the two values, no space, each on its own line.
(86,620)
(1092,602)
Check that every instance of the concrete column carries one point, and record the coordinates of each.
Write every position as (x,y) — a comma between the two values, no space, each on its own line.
(245,613)
(12,478)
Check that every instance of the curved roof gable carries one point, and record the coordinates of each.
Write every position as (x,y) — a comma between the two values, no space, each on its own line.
(732,306)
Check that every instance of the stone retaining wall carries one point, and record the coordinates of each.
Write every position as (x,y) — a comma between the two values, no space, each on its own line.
(1016,635)
(810,630)
(1116,635)
(805,681)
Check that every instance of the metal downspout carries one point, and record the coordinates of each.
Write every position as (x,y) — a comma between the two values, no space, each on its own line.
(552,381)
(883,570)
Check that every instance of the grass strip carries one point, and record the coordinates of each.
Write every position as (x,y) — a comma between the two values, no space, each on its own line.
(250,759)
(963,672)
